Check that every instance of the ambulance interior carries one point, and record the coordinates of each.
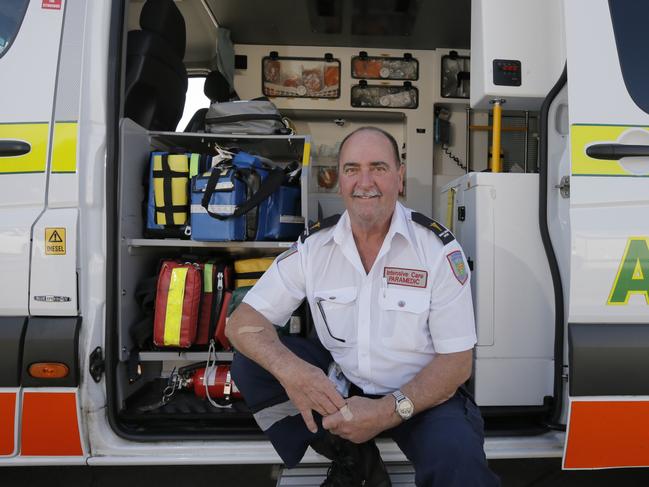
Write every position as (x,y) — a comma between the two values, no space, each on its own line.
(445,129)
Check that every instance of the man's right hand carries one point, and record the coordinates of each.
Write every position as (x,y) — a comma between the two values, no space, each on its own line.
(310,390)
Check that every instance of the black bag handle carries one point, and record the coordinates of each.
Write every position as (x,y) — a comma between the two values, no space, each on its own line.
(271,184)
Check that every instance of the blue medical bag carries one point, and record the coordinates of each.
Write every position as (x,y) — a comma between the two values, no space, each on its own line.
(246,199)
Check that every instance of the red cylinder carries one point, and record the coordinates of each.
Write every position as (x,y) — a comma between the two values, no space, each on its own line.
(219,383)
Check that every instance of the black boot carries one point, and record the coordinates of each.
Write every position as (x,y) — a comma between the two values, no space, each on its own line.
(352,464)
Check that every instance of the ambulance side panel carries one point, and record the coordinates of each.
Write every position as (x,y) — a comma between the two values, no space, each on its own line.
(28,73)
(609,202)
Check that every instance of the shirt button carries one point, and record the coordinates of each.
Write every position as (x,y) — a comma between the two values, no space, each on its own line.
(401,304)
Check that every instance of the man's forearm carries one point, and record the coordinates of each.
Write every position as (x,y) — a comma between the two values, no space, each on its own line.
(438,381)
(434,384)
(254,336)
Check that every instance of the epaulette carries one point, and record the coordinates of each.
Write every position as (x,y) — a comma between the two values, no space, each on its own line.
(330,221)
(443,233)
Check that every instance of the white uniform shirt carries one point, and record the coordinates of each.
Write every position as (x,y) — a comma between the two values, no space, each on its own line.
(414,302)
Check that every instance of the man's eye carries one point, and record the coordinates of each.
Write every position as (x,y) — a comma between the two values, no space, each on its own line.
(350,171)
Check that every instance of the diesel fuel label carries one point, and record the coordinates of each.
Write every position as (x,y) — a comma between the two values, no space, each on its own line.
(55,241)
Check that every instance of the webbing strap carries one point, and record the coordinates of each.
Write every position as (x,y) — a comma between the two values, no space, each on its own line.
(250,275)
(269,185)
(169,182)
(167,179)
(244,117)
(174,310)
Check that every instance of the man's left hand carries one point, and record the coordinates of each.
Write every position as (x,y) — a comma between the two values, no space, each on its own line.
(368,418)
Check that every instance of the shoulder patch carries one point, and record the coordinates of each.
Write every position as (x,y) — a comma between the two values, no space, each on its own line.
(330,221)
(443,233)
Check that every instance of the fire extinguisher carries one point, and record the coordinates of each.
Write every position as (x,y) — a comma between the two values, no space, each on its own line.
(217,385)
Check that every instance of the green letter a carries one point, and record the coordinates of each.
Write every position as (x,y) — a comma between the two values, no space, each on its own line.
(633,275)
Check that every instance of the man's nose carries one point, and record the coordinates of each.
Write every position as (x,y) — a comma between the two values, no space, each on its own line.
(366,178)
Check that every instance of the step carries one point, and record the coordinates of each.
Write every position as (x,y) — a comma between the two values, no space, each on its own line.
(401,474)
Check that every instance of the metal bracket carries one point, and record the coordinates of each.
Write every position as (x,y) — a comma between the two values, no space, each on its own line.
(564,187)
(96,366)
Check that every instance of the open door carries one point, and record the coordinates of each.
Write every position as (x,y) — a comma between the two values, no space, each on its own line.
(608,331)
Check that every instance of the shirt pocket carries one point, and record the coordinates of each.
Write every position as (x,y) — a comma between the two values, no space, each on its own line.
(335,317)
(404,319)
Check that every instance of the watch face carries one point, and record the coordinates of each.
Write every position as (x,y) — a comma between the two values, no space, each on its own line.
(405,408)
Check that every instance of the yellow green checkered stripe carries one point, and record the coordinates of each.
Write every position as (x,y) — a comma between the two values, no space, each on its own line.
(64,153)
(584,135)
(36,134)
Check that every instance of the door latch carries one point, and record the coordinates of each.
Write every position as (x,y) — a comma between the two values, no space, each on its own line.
(564,187)
(96,366)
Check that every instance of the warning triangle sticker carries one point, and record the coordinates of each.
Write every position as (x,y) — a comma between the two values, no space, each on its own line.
(55,237)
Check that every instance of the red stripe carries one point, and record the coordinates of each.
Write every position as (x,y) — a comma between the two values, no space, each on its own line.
(50,425)
(604,434)
(7,421)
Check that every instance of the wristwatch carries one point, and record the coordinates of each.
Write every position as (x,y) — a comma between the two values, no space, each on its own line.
(403,406)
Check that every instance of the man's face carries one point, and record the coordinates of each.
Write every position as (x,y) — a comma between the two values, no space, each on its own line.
(370,178)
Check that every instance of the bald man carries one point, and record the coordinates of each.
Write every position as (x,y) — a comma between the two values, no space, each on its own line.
(389,294)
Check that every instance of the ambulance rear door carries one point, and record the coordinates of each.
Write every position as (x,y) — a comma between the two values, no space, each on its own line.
(608,330)
(39,405)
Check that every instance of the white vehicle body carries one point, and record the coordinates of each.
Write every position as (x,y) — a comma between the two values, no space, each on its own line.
(71,247)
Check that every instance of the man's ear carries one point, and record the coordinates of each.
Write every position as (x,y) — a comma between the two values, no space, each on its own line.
(402,175)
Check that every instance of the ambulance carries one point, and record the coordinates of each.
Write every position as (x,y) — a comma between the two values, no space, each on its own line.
(524,129)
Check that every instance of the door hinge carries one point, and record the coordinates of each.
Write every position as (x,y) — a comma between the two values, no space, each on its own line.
(564,187)
(97,365)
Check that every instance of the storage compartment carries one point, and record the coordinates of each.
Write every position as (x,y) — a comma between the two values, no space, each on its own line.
(495,219)
(146,374)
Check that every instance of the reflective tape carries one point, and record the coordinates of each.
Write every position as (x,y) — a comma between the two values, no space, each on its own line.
(267,417)
(174,310)
(306,154)
(36,135)
(583,136)
(607,432)
(208,273)
(64,154)
(50,424)
(7,423)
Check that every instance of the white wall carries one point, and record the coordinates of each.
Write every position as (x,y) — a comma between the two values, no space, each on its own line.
(419,146)
(427,170)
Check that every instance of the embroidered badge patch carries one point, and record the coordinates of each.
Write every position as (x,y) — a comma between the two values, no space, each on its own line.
(458,266)
(406,277)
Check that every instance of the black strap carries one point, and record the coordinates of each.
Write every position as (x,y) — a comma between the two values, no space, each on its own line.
(269,185)
(243,117)
(217,300)
(250,275)
(175,174)
(253,182)
(173,207)
(167,178)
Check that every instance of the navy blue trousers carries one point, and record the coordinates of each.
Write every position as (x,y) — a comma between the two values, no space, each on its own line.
(444,443)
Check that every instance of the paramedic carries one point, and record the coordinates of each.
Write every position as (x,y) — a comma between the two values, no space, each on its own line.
(389,293)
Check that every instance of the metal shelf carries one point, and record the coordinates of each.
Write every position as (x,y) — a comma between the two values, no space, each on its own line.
(172,242)
(158,356)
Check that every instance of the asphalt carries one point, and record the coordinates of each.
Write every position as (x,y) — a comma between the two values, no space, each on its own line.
(513,473)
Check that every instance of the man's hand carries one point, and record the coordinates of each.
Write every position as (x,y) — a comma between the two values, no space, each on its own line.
(368,418)
(310,390)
